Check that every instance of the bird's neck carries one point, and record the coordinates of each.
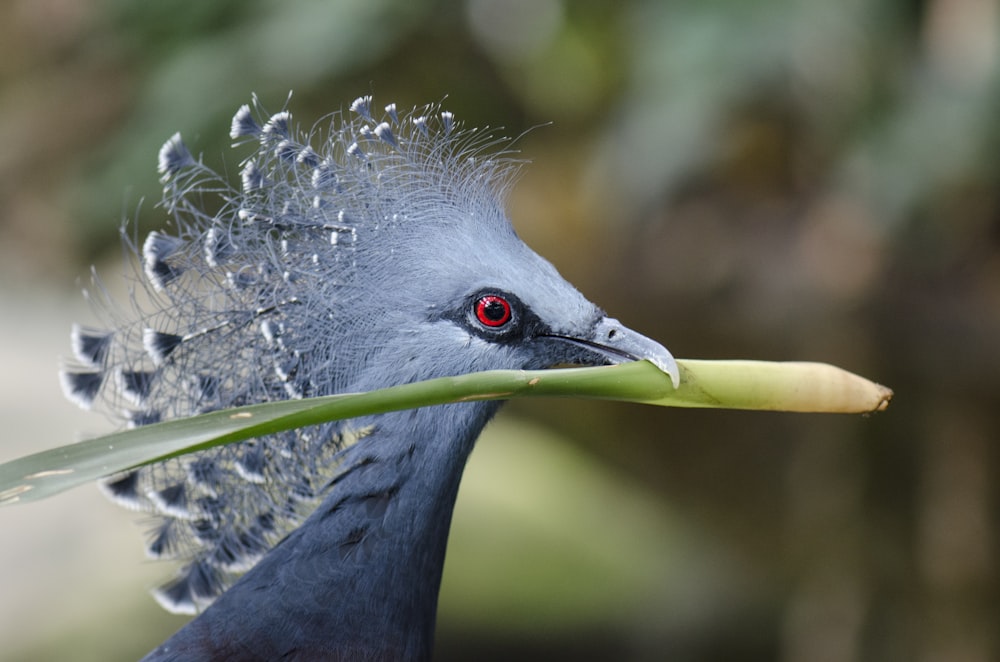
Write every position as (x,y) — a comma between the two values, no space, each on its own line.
(359,579)
(389,517)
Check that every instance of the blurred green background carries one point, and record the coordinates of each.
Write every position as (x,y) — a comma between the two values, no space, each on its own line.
(773,179)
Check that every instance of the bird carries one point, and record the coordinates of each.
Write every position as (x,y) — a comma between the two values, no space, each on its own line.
(369,250)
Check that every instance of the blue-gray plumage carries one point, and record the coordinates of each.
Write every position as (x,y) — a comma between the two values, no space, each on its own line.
(379,256)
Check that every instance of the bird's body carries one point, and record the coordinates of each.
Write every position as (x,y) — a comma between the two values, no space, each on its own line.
(381,257)
(368,560)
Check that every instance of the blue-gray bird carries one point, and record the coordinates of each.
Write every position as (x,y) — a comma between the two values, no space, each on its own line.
(367,252)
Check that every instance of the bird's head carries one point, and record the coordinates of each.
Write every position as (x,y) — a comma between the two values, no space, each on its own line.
(470,295)
(423,274)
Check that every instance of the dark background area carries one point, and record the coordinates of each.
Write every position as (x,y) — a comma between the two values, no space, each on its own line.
(773,179)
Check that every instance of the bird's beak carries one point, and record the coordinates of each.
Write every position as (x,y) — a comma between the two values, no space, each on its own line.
(615,343)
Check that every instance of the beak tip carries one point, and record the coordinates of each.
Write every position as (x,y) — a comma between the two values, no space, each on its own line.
(620,343)
(615,343)
(668,364)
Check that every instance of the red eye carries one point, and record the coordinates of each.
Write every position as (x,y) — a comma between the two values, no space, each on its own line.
(493,311)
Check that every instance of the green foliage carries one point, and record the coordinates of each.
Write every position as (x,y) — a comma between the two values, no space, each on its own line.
(716,384)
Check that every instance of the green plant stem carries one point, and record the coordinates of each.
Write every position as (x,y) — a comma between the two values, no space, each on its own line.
(801,387)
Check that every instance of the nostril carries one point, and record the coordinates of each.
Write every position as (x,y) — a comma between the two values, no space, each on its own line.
(612,333)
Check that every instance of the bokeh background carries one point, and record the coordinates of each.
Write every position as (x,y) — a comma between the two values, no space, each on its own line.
(773,179)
